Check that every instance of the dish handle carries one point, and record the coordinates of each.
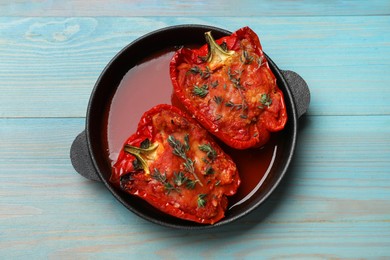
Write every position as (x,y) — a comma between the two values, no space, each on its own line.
(81,159)
(299,89)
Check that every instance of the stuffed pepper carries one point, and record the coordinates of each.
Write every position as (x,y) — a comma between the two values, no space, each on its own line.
(228,86)
(175,165)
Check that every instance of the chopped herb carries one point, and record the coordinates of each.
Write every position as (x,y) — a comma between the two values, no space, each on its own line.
(265,100)
(209,170)
(217,182)
(157,175)
(190,184)
(235,78)
(260,61)
(243,116)
(189,165)
(169,187)
(214,84)
(229,104)
(218,117)
(200,91)
(180,150)
(187,142)
(246,58)
(201,200)
(204,159)
(162,177)
(180,178)
(206,73)
(232,105)
(218,99)
(211,153)
(195,70)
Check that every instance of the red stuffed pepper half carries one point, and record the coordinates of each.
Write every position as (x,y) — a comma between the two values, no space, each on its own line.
(175,165)
(229,88)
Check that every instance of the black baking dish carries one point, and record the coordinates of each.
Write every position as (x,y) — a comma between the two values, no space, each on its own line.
(87,152)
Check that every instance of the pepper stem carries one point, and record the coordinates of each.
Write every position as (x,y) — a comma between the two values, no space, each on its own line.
(142,154)
(216,56)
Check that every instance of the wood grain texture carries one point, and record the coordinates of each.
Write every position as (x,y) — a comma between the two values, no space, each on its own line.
(343,59)
(243,8)
(334,202)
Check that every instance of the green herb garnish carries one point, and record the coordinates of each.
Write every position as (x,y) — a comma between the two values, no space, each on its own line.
(201,200)
(200,91)
(214,84)
(211,153)
(209,170)
(180,150)
(265,99)
(235,78)
(190,184)
(246,58)
(218,99)
(195,70)
(218,117)
(162,177)
(233,106)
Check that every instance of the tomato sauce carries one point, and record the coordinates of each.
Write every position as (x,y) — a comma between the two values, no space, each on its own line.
(149,84)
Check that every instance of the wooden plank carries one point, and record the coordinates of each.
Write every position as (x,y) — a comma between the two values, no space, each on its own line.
(333,202)
(244,8)
(48,66)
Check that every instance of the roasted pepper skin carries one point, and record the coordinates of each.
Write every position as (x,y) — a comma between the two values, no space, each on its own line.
(236,97)
(187,174)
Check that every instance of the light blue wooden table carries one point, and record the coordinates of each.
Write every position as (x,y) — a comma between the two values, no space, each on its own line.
(335,200)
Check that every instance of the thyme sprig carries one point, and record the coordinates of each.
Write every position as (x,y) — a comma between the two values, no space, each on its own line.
(204,74)
(209,170)
(235,78)
(162,177)
(200,91)
(201,200)
(233,106)
(224,46)
(218,99)
(218,117)
(246,58)
(209,150)
(266,100)
(195,70)
(180,179)
(214,84)
(180,149)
